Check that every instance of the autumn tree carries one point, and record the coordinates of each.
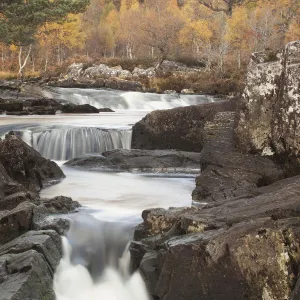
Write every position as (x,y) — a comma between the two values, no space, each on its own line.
(20,20)
(159,26)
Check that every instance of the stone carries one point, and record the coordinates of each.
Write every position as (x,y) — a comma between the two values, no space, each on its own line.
(105,110)
(145,160)
(229,174)
(79,109)
(179,128)
(60,205)
(219,252)
(15,222)
(26,166)
(268,119)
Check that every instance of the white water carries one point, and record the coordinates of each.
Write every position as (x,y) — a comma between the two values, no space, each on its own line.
(93,267)
(118,100)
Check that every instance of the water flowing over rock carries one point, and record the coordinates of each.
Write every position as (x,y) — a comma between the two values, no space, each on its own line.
(63,144)
(269,114)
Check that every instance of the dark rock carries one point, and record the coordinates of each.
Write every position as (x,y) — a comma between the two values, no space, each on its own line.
(146,160)
(27,265)
(229,174)
(13,200)
(124,85)
(17,113)
(179,128)
(60,205)
(219,252)
(105,110)
(15,222)
(27,166)
(11,105)
(79,109)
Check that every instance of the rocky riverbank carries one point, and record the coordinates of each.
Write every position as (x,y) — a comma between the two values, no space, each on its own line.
(30,244)
(244,243)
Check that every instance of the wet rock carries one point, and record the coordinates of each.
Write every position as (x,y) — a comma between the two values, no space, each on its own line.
(26,166)
(13,200)
(79,109)
(27,266)
(229,174)
(179,128)
(145,160)
(268,118)
(17,113)
(15,222)
(219,252)
(60,205)
(11,105)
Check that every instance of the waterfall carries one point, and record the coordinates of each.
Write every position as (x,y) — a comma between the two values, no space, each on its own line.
(95,263)
(118,100)
(67,143)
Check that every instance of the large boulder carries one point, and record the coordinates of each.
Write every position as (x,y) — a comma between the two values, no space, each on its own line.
(27,265)
(179,128)
(245,248)
(268,119)
(26,166)
(145,160)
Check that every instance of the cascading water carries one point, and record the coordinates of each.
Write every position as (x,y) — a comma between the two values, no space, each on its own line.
(63,144)
(96,266)
(118,100)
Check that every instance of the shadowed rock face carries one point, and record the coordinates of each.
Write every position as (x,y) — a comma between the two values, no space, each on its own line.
(26,166)
(246,248)
(179,128)
(268,120)
(226,172)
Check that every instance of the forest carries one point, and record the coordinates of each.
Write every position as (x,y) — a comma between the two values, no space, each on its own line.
(216,35)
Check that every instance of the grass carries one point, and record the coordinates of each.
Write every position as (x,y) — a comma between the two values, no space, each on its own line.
(10,75)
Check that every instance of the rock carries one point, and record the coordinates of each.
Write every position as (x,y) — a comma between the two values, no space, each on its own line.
(179,128)
(268,120)
(187,91)
(60,205)
(229,174)
(145,160)
(170,92)
(27,265)
(17,113)
(15,222)
(10,105)
(105,110)
(138,72)
(26,166)
(91,161)
(79,109)
(13,200)
(219,252)
(124,85)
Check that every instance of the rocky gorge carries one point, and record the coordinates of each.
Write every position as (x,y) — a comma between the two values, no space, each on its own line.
(239,239)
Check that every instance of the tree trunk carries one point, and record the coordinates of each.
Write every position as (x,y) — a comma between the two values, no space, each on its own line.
(23,64)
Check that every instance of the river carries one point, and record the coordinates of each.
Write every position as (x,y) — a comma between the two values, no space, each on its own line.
(96,260)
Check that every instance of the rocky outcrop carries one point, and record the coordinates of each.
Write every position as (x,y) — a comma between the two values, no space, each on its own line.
(226,172)
(268,119)
(26,166)
(27,266)
(79,109)
(179,128)
(219,252)
(143,160)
